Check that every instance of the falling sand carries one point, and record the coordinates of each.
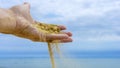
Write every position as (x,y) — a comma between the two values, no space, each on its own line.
(53,44)
(51,55)
(49,29)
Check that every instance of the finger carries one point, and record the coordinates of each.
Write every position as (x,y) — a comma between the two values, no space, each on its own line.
(56,36)
(63,40)
(27,5)
(66,40)
(68,33)
(26,12)
(62,27)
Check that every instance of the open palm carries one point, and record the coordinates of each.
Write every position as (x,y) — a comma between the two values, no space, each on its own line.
(24,27)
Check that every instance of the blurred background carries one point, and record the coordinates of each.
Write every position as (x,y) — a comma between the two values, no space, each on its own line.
(95,25)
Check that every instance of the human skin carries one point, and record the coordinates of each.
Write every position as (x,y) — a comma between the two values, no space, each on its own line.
(18,21)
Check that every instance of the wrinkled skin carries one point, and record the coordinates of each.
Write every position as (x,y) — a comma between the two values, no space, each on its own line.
(18,21)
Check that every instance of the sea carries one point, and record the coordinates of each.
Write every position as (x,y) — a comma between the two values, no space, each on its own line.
(60,63)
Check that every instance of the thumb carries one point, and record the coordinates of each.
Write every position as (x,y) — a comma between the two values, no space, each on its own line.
(23,10)
(26,6)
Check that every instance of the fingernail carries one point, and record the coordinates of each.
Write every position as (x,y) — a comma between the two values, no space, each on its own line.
(26,3)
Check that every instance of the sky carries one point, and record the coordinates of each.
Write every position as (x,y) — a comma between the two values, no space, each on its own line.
(95,25)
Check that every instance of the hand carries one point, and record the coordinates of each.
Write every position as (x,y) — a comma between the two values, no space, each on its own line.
(25,29)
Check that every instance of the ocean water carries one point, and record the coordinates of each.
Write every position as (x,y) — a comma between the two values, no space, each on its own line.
(61,63)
